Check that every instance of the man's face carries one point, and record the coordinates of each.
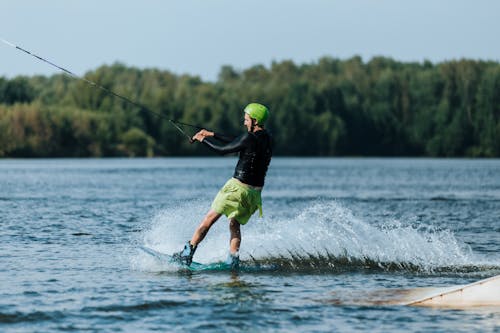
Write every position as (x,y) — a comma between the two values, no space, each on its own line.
(248,122)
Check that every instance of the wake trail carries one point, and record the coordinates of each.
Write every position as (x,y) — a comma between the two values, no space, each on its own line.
(326,237)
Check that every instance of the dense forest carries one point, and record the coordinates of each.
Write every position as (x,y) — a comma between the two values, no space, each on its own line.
(331,107)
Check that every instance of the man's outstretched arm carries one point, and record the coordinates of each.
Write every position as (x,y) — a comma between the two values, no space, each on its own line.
(232,147)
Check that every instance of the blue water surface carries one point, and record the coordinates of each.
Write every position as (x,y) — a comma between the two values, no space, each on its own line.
(343,244)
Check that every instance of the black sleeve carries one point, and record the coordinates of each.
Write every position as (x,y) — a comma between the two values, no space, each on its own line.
(224,137)
(234,146)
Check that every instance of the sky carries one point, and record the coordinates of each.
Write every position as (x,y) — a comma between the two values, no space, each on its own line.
(197,37)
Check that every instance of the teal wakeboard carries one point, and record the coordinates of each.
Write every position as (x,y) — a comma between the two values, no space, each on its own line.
(195,266)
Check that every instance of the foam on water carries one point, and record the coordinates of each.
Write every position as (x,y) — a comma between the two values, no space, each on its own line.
(327,234)
(330,230)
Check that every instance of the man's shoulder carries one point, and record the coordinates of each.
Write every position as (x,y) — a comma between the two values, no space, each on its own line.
(262,133)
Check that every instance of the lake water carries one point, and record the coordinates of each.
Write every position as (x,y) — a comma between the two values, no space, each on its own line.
(343,243)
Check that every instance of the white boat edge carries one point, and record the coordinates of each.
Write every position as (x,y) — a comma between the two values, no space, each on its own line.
(485,292)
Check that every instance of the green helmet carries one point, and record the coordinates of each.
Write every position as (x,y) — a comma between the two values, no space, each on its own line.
(258,112)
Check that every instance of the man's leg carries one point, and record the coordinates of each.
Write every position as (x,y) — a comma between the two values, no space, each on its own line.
(185,256)
(234,243)
(200,232)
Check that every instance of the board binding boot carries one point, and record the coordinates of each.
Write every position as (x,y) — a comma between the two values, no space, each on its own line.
(233,260)
(185,256)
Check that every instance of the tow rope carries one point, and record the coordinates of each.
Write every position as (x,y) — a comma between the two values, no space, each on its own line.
(175,123)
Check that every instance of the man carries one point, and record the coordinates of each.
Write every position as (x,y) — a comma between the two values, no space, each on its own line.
(240,197)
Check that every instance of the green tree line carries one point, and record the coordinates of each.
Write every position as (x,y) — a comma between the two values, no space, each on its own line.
(331,107)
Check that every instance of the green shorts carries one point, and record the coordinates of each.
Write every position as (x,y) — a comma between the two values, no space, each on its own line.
(237,201)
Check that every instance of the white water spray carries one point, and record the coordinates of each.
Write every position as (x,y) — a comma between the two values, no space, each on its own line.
(325,230)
